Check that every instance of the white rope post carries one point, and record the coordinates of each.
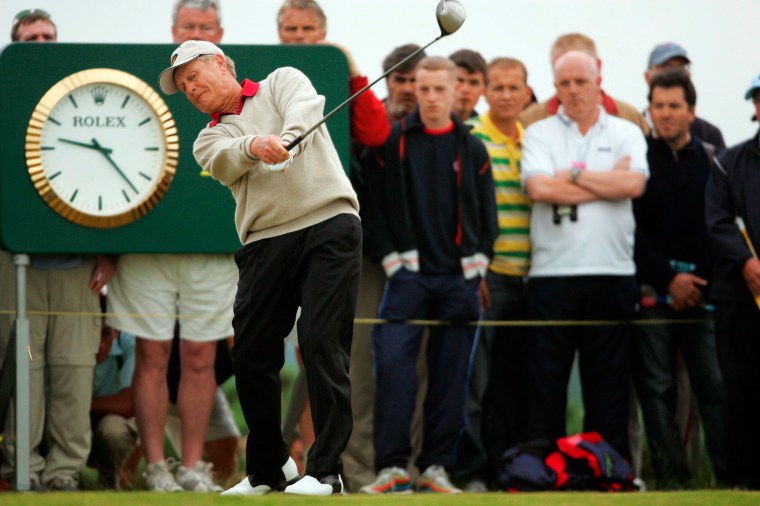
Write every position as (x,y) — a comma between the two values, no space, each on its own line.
(22,376)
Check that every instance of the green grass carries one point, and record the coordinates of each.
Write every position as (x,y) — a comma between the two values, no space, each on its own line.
(711,498)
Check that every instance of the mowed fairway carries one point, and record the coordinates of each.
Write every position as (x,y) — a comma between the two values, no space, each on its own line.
(706,498)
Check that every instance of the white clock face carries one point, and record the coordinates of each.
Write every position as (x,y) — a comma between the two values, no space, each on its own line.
(104,152)
(102,149)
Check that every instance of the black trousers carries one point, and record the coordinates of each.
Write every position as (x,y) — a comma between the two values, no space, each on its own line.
(737,335)
(604,355)
(316,268)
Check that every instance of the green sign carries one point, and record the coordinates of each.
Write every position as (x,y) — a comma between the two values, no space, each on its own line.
(195,213)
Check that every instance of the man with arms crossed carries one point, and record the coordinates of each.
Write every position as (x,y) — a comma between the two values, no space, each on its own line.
(581,168)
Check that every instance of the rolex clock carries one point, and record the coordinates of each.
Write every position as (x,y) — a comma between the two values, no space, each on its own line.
(101,148)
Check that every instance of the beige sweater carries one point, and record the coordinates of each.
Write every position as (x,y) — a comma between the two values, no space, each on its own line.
(313,189)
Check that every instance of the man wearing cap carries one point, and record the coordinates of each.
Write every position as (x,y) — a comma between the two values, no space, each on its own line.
(186,284)
(671,55)
(731,205)
(297,217)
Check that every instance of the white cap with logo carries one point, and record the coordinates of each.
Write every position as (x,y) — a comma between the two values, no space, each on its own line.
(185,53)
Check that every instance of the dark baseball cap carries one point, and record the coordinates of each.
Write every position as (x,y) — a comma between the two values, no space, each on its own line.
(664,52)
(753,87)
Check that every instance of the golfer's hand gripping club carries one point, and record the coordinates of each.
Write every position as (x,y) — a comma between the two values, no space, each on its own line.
(270,149)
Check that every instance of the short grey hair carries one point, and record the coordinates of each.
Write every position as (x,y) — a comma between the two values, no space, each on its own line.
(302,5)
(227,61)
(199,5)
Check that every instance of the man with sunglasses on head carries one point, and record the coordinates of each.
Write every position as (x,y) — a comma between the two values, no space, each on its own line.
(33,25)
(64,348)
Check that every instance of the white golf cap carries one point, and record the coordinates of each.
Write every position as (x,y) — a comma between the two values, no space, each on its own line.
(185,53)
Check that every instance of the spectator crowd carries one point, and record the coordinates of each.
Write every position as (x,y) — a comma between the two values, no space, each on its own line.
(577,212)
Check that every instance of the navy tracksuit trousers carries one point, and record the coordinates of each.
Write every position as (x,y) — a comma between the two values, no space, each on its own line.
(396,347)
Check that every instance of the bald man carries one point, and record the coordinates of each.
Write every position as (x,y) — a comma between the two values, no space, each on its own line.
(581,167)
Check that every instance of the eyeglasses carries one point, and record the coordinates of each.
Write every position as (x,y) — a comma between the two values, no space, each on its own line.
(29,12)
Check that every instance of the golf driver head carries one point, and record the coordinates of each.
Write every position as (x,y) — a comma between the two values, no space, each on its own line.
(450,15)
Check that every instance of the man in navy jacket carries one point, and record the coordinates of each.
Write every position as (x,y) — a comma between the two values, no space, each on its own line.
(674,267)
(732,203)
(436,199)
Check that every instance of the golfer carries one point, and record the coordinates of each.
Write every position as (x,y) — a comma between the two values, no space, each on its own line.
(297,217)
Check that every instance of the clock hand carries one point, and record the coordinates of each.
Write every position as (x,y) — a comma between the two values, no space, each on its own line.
(91,146)
(106,152)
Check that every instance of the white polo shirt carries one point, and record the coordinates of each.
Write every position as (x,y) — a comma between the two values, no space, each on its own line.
(600,241)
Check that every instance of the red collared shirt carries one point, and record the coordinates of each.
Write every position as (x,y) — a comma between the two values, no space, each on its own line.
(249,89)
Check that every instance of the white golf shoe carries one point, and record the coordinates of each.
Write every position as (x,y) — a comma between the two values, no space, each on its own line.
(331,484)
(248,486)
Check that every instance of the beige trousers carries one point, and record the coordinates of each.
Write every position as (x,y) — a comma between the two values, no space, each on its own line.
(63,350)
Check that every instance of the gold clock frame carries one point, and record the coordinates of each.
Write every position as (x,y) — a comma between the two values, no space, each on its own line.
(33,151)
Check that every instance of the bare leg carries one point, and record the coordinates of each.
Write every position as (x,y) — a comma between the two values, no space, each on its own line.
(151,395)
(197,386)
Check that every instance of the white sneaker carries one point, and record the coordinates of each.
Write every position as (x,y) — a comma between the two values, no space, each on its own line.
(245,487)
(198,478)
(331,484)
(435,479)
(390,480)
(158,477)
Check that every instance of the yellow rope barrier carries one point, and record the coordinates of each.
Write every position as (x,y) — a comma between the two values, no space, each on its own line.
(378,321)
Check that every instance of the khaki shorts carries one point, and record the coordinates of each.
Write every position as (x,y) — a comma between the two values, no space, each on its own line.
(149,292)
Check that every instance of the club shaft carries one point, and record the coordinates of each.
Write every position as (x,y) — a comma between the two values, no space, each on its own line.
(350,99)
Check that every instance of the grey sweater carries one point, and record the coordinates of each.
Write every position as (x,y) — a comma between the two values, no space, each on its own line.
(312,189)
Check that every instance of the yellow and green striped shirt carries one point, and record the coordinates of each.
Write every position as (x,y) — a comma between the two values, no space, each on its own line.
(512,247)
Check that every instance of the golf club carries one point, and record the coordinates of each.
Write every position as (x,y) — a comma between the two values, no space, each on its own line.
(450,15)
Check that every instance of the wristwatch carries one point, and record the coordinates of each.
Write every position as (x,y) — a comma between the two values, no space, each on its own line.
(574,173)
(575,170)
